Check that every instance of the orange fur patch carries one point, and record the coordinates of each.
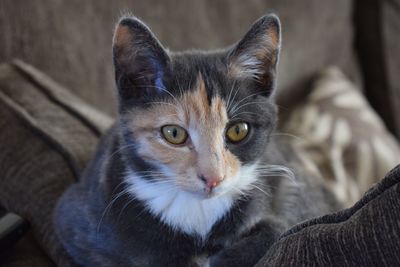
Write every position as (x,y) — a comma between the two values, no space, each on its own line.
(273,34)
(123,36)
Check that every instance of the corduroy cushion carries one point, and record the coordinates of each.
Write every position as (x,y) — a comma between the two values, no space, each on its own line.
(46,137)
(367,234)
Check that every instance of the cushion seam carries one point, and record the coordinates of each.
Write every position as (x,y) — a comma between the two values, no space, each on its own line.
(54,99)
(50,141)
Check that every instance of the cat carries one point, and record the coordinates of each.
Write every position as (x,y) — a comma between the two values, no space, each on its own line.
(190,174)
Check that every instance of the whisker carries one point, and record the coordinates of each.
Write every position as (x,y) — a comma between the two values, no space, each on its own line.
(240,101)
(161,103)
(246,104)
(237,90)
(261,190)
(108,207)
(277,170)
(151,183)
(125,206)
(288,135)
(242,194)
(121,148)
(244,112)
(229,103)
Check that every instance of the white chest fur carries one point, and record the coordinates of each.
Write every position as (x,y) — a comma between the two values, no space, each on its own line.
(179,209)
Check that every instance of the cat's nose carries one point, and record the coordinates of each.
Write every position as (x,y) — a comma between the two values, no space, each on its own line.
(211,181)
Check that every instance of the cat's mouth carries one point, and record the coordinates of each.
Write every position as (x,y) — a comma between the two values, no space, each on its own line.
(205,193)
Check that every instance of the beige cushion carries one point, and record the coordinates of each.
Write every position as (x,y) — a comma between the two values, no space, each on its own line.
(342,137)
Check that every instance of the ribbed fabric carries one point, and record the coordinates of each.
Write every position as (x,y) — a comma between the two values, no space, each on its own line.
(45,142)
(367,234)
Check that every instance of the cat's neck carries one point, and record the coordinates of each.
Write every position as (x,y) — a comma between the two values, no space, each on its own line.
(181,210)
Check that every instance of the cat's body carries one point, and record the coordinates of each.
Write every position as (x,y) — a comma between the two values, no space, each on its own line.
(189,176)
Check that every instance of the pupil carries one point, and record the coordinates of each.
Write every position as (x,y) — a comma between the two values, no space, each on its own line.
(174,132)
(237,129)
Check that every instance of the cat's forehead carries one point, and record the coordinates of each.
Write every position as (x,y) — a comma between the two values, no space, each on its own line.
(203,107)
(193,108)
(188,69)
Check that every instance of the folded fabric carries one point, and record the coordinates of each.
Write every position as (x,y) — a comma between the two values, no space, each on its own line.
(341,137)
(47,135)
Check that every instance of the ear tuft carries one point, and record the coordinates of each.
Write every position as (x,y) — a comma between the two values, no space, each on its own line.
(256,55)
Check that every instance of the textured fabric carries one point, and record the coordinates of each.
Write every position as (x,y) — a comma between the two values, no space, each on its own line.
(342,136)
(45,143)
(367,234)
(71,40)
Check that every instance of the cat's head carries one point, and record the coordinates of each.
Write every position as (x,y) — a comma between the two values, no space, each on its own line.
(197,120)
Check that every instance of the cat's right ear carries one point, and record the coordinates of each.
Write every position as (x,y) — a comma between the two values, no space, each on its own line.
(139,60)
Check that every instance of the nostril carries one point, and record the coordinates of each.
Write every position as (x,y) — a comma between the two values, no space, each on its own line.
(201,177)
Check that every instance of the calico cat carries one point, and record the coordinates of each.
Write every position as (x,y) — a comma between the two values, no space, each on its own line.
(189,175)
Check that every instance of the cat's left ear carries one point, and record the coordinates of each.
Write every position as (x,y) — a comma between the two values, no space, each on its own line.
(256,55)
(139,60)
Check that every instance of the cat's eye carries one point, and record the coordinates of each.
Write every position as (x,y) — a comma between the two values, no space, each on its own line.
(174,134)
(237,132)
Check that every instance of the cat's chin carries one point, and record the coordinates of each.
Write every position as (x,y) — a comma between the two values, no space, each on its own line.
(204,195)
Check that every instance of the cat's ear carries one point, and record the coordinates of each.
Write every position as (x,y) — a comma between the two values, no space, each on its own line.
(139,59)
(256,55)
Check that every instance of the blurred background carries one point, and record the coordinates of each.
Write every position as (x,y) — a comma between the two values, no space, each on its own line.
(71,41)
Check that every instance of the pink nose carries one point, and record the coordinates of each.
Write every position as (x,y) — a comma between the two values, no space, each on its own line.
(211,182)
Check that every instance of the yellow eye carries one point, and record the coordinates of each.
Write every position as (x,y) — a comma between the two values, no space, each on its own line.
(174,134)
(237,132)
